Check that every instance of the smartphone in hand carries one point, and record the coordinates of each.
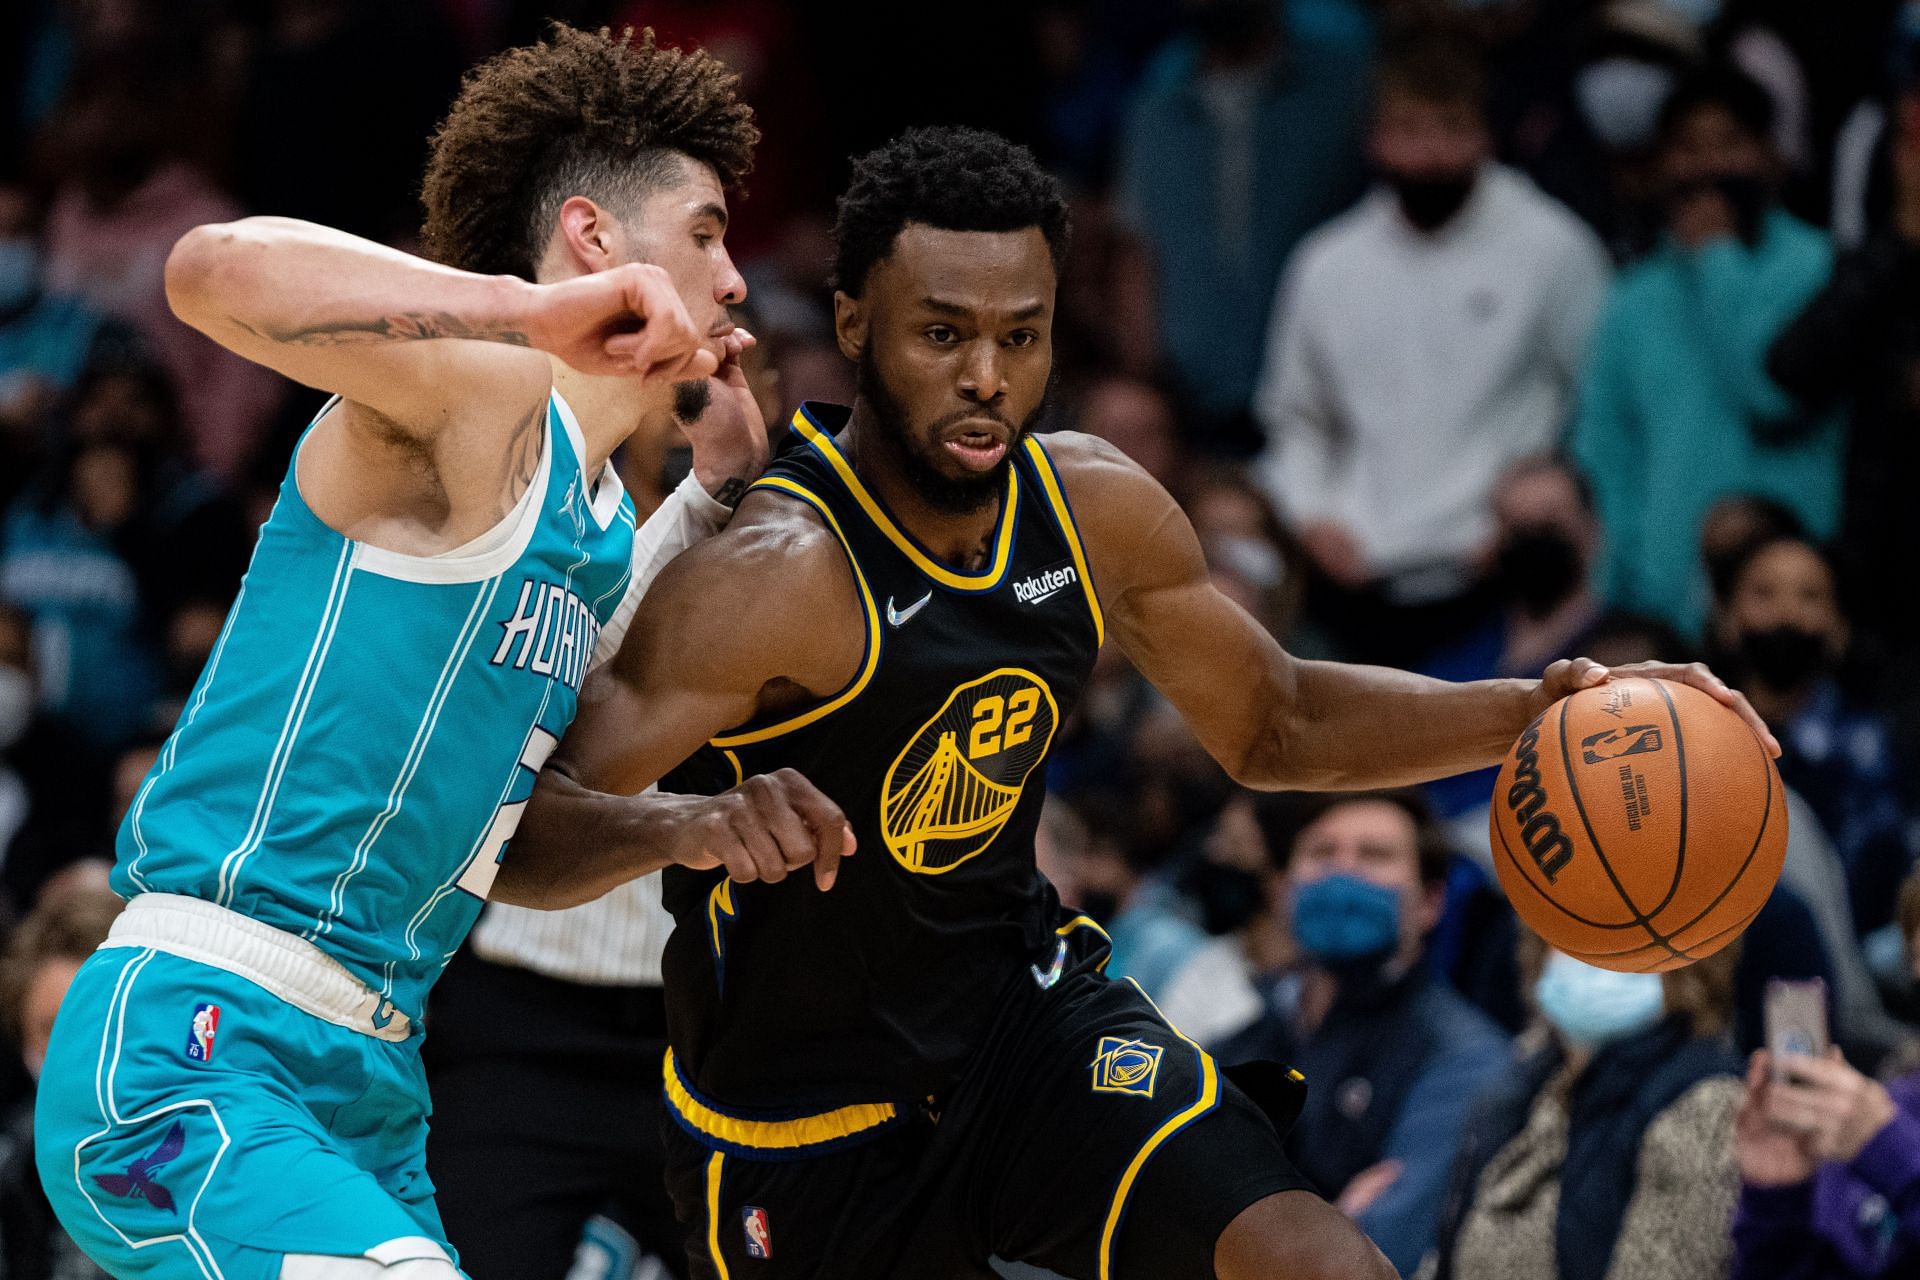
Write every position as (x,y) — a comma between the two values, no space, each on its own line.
(1796,1014)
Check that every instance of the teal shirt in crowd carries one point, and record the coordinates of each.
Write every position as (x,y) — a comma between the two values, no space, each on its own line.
(1678,411)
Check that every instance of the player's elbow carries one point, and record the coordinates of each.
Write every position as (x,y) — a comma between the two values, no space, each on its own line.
(1281,757)
(194,268)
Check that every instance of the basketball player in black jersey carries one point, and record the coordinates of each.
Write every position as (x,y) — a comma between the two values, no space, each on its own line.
(905,1063)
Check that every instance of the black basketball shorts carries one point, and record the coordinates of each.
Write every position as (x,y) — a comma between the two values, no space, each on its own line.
(1086,1136)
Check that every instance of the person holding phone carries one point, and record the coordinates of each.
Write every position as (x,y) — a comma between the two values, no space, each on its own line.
(1829,1158)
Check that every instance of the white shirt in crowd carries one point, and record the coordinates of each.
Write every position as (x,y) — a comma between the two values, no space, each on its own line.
(1405,371)
(616,939)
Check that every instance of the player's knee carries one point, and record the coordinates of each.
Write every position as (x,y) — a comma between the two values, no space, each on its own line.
(1295,1235)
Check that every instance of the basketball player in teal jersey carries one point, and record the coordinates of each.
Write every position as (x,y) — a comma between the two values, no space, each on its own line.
(234,1088)
(926,1066)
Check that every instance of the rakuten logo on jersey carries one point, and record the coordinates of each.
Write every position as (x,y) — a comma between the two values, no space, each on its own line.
(1045,585)
(552,633)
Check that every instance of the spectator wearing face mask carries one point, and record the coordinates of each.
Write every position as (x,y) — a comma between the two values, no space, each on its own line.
(1423,342)
(1546,537)
(1215,993)
(1606,1151)
(1677,408)
(1395,1057)
(1786,639)
(1829,1169)
(40,961)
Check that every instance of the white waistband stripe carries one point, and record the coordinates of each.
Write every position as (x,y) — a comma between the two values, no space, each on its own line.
(288,966)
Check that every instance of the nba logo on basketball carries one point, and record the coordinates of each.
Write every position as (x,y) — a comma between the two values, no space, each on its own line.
(759,1237)
(206,1023)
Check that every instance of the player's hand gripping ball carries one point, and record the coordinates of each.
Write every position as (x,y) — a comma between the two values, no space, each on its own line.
(1639,825)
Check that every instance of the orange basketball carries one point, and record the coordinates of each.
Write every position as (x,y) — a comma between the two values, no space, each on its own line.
(1638,825)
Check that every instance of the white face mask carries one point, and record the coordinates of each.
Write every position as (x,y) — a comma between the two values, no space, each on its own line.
(1621,100)
(16,704)
(1594,1007)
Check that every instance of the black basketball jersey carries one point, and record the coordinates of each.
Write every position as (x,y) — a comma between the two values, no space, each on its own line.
(781,996)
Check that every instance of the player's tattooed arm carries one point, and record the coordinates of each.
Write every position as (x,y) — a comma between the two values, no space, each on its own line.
(422,344)
(412,326)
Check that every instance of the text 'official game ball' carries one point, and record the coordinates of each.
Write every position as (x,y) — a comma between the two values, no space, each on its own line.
(1638,825)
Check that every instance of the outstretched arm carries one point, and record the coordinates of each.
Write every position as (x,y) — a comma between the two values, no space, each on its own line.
(1274,721)
(763,613)
(422,345)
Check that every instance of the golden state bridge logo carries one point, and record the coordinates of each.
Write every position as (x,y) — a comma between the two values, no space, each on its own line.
(1125,1066)
(959,779)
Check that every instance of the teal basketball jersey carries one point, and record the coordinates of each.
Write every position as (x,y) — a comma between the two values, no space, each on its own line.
(359,749)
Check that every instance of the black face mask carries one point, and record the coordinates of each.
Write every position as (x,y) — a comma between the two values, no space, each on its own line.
(1538,569)
(1228,896)
(1784,657)
(1430,201)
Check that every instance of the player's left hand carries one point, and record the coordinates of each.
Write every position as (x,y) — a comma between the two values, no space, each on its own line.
(1571,675)
(729,436)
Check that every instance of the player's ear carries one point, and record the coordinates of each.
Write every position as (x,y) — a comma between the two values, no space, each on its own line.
(849,324)
(587,234)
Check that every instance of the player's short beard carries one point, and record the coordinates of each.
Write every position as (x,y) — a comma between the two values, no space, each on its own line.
(691,399)
(956,495)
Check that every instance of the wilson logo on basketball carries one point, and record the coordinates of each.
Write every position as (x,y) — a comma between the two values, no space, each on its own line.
(1527,801)
(1614,743)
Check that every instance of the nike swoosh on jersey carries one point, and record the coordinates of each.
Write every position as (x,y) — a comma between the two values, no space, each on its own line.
(901,617)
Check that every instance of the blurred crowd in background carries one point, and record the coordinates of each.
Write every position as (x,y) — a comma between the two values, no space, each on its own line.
(1472,334)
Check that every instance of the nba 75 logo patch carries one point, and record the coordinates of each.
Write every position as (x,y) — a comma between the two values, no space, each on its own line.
(753,1221)
(1125,1066)
(206,1024)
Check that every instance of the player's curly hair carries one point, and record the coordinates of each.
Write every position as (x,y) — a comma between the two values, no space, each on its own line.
(952,178)
(585,113)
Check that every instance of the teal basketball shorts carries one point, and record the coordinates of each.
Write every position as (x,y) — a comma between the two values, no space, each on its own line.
(197,1124)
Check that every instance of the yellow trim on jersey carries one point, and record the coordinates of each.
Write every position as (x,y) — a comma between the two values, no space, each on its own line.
(1209,1095)
(986,580)
(1057,499)
(1088,922)
(773,1135)
(719,903)
(739,774)
(872,663)
(1083,922)
(713,1216)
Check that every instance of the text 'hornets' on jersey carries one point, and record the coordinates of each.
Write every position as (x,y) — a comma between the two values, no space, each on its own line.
(875,992)
(360,747)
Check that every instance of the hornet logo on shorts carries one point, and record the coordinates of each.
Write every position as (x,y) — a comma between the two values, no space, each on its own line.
(137,1182)
(1614,743)
(1126,1066)
(206,1025)
(753,1220)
